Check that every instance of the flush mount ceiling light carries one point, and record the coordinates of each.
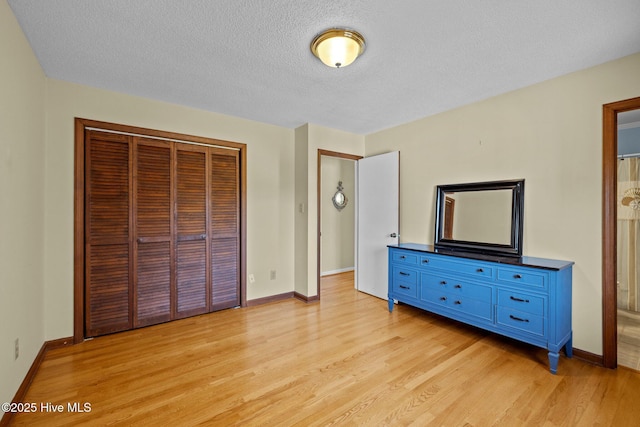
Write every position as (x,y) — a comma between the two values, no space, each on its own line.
(338,47)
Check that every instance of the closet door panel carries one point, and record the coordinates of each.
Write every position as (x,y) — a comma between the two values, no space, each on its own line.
(108,290)
(107,233)
(192,278)
(153,221)
(226,289)
(225,231)
(153,290)
(191,229)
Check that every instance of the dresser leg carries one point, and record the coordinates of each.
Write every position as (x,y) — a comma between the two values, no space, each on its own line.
(568,347)
(390,305)
(553,362)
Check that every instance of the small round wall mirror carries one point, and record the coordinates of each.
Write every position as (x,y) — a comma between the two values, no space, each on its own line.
(339,199)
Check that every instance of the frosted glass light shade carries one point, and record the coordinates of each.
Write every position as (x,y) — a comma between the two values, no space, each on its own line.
(338,47)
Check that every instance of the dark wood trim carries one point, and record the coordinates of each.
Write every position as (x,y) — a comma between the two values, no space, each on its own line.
(33,370)
(585,356)
(174,136)
(78,241)
(243,225)
(282,297)
(271,298)
(319,206)
(81,125)
(609,226)
(305,298)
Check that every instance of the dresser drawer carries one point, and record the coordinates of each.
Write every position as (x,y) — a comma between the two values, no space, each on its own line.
(523,277)
(406,289)
(521,302)
(405,275)
(405,257)
(469,306)
(441,283)
(521,321)
(473,269)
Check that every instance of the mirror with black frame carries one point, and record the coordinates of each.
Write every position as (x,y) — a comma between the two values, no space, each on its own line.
(485,217)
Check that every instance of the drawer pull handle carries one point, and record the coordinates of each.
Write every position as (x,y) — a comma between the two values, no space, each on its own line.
(404,287)
(425,261)
(458,302)
(518,299)
(402,257)
(444,282)
(479,270)
(517,276)
(458,286)
(518,319)
(402,273)
(443,298)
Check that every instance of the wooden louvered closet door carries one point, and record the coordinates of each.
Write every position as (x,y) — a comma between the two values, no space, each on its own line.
(191,226)
(153,243)
(162,231)
(108,247)
(225,228)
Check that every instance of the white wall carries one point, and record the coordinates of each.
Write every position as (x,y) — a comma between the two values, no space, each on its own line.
(550,134)
(338,227)
(22,134)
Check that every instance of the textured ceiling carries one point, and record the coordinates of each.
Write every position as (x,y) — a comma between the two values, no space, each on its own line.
(251,58)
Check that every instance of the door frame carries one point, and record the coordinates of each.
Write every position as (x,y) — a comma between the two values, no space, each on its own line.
(81,125)
(339,155)
(609,226)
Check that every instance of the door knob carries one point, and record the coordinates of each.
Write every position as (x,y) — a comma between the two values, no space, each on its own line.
(394,235)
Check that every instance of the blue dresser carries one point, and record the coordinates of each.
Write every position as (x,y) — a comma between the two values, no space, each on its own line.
(525,298)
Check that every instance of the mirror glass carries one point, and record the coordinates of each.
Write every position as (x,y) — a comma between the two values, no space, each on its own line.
(481,217)
(339,199)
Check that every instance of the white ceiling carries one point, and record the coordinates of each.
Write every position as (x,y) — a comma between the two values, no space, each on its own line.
(251,58)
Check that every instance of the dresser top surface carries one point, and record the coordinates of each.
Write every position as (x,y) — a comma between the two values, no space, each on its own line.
(522,261)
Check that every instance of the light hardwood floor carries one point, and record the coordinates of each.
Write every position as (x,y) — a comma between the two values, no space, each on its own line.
(343,361)
(629,339)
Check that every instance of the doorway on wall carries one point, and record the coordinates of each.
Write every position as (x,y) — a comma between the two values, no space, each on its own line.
(628,239)
(610,196)
(336,226)
(376,222)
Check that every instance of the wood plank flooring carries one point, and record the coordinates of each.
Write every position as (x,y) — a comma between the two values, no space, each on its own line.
(629,339)
(343,361)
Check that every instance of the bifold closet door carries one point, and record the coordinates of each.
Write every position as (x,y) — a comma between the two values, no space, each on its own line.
(108,243)
(192,258)
(225,228)
(162,231)
(153,239)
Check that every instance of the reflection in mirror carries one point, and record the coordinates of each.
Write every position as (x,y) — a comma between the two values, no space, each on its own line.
(478,216)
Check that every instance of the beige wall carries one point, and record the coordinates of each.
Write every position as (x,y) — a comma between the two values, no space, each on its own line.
(22,133)
(550,134)
(338,227)
(270,186)
(309,139)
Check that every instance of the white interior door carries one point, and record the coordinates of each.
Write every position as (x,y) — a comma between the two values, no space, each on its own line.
(377,217)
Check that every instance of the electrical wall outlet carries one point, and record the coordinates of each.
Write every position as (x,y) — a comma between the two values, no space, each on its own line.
(272,275)
(16,350)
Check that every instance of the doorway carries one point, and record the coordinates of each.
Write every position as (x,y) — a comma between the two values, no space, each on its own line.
(337,216)
(336,165)
(609,227)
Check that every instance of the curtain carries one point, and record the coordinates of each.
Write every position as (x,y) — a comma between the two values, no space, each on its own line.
(628,234)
